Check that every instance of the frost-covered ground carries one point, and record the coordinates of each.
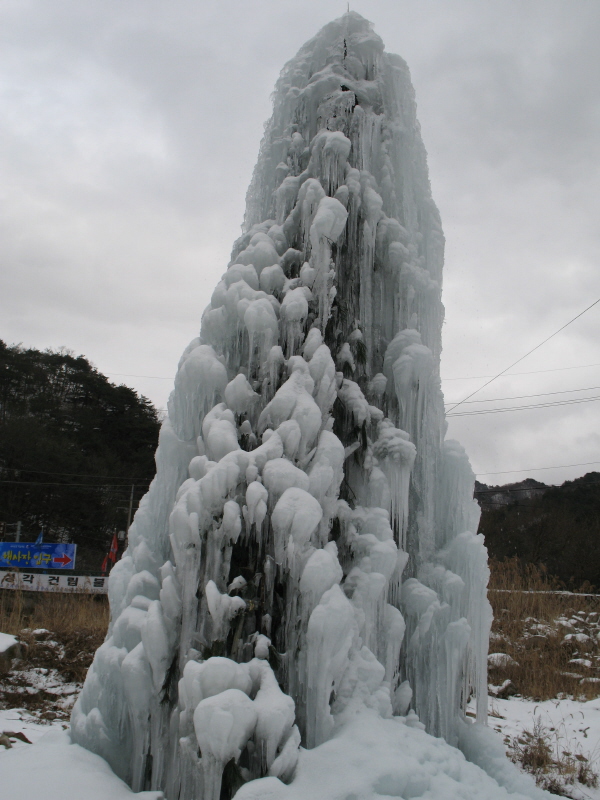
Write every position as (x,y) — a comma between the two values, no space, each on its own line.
(48,679)
(363,762)
(371,758)
(37,695)
(41,761)
(575,724)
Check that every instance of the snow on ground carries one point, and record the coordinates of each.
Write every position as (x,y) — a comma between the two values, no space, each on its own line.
(370,758)
(55,769)
(362,762)
(576,727)
(20,721)
(577,724)
(37,759)
(7,640)
(570,725)
(48,678)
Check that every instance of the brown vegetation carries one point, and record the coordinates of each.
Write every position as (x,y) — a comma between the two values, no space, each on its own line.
(57,612)
(551,760)
(550,634)
(61,633)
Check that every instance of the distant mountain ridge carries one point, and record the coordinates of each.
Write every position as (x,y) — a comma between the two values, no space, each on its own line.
(509,492)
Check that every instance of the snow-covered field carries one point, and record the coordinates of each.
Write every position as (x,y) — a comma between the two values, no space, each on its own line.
(37,758)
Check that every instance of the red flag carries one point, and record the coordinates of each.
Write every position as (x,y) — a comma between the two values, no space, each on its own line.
(114,549)
(111,555)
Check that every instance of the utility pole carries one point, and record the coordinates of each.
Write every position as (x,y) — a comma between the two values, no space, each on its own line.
(18,533)
(130,508)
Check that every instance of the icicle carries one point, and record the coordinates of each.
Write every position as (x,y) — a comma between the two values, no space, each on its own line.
(294,310)
(260,321)
(396,455)
(223,725)
(330,151)
(255,509)
(331,631)
(326,228)
(200,380)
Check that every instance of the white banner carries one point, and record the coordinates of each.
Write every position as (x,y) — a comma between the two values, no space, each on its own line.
(32,582)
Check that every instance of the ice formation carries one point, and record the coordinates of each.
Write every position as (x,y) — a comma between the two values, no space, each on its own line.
(307,550)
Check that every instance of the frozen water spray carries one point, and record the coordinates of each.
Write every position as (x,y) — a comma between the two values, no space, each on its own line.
(307,549)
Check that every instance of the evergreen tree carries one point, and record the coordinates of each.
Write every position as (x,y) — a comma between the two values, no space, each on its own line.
(72,445)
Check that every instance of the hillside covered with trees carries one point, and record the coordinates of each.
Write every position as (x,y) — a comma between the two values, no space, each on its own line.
(72,446)
(557,527)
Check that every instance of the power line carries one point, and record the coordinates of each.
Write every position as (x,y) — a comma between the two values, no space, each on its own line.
(545,488)
(536,469)
(70,474)
(82,485)
(523,408)
(510,374)
(127,375)
(523,396)
(463,378)
(506,505)
(533,349)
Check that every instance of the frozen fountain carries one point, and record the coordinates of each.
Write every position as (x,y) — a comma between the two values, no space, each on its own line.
(306,555)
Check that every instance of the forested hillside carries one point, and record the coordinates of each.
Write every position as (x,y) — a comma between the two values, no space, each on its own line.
(554,526)
(72,445)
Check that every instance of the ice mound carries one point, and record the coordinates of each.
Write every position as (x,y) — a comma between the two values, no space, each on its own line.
(307,550)
(373,758)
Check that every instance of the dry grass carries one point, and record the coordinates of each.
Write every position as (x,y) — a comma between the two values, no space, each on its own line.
(76,625)
(554,762)
(552,637)
(59,613)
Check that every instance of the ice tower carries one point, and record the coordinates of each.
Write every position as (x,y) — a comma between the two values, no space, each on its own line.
(307,548)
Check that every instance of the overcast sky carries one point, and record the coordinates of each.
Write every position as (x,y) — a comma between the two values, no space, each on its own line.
(128,134)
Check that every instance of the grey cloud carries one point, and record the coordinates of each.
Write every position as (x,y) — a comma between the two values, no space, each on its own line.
(129,132)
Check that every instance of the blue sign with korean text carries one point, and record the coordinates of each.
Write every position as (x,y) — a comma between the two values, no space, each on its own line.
(27,555)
